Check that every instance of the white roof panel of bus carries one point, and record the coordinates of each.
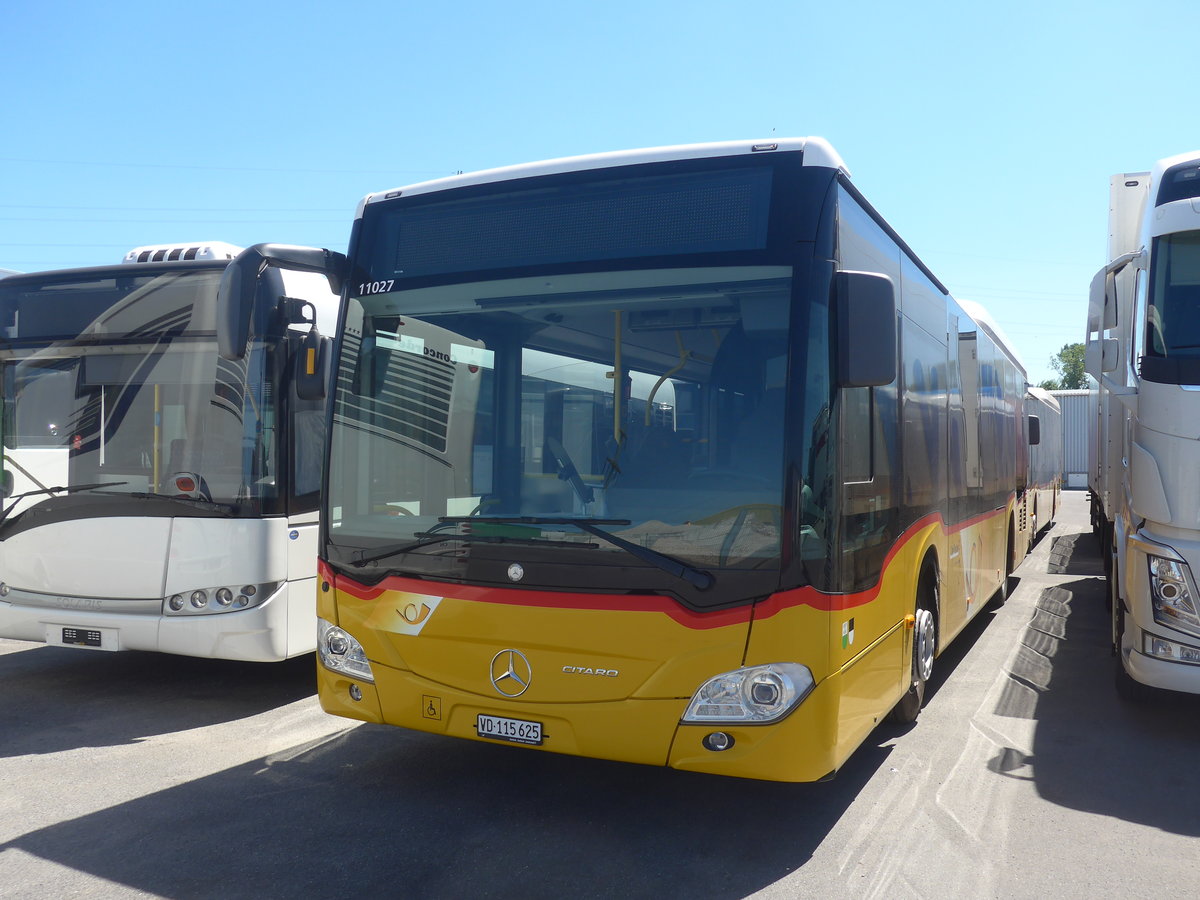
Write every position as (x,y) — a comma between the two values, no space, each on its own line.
(817,152)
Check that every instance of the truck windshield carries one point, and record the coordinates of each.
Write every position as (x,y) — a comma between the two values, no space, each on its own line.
(113,378)
(1173,329)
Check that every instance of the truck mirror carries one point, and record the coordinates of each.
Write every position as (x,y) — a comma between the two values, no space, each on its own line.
(1096,302)
(866,328)
(1101,356)
(1102,301)
(1110,301)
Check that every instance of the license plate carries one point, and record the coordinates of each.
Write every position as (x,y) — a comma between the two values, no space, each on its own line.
(517,731)
(81,637)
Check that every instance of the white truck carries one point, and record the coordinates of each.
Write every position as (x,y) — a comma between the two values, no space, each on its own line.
(1143,349)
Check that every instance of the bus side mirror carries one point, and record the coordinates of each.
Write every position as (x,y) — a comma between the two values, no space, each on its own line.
(866,329)
(1035,431)
(312,366)
(239,282)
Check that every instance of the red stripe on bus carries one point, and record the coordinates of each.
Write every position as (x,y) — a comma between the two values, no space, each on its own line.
(653,603)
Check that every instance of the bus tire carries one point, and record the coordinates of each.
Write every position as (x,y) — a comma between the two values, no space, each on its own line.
(924,648)
(1001,596)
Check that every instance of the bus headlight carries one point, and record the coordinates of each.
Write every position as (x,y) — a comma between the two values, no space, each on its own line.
(754,695)
(340,652)
(206,601)
(1171,594)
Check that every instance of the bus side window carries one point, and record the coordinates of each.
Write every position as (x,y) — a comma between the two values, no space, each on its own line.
(857,433)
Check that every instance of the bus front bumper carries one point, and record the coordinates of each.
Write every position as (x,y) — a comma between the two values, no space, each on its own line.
(646,731)
(258,634)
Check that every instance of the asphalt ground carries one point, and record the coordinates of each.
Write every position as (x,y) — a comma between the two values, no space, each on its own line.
(137,775)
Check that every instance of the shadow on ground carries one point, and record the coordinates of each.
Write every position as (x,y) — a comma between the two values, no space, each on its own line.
(58,699)
(1092,751)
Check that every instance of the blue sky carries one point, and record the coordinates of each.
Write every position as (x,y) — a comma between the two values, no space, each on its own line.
(985,133)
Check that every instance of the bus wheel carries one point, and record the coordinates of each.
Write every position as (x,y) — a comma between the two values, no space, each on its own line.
(1001,595)
(924,650)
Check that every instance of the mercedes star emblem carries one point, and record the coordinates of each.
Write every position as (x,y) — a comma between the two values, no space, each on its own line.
(511,673)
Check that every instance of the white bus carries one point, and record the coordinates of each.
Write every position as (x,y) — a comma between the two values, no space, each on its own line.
(157,496)
(1144,351)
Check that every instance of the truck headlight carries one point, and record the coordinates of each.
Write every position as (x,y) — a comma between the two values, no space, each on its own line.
(340,652)
(754,695)
(1171,594)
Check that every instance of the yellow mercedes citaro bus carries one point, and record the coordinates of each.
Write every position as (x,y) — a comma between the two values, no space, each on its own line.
(678,456)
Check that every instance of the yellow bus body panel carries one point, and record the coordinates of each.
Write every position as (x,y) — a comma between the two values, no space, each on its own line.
(611,675)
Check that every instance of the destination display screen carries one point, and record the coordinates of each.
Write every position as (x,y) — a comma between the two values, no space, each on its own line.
(600,219)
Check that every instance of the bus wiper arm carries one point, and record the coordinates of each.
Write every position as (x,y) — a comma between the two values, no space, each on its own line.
(428,538)
(227,508)
(61,489)
(698,578)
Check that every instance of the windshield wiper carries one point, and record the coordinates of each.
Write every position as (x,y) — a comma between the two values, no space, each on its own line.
(227,508)
(428,538)
(696,577)
(61,489)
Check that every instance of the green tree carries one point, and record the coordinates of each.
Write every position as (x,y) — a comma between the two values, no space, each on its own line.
(1068,363)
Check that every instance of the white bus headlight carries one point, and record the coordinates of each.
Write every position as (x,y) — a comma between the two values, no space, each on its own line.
(754,695)
(341,653)
(1171,594)
(223,598)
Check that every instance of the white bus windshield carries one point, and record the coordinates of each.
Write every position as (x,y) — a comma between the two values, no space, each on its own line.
(114,379)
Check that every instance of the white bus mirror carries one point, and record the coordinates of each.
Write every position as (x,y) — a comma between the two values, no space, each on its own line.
(239,281)
(312,366)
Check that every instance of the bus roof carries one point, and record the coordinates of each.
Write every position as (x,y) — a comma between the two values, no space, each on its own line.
(1044,396)
(203,250)
(817,152)
(984,320)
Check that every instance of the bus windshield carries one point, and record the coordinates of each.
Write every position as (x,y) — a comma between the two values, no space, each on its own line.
(112,380)
(648,403)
